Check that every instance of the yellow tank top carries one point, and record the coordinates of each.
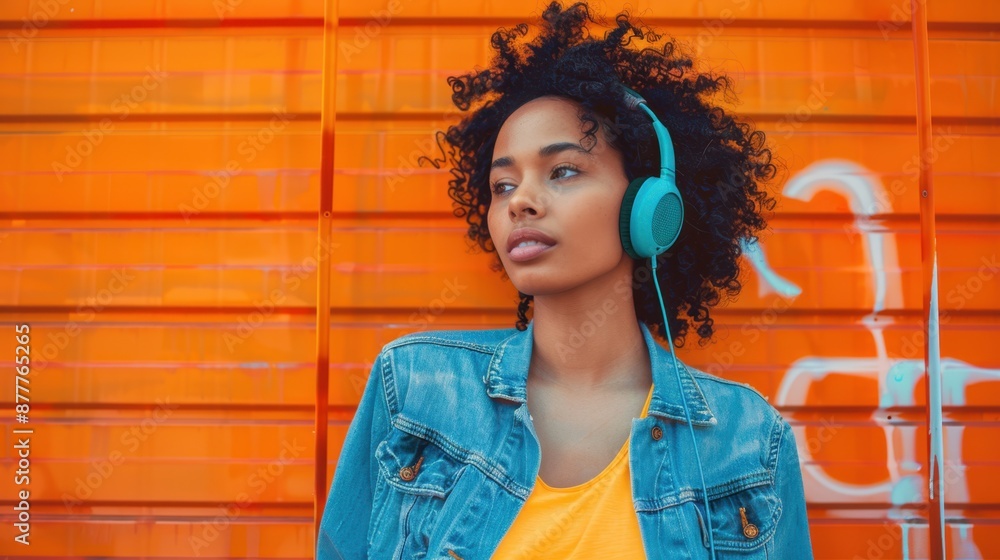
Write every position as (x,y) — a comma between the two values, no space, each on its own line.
(593,520)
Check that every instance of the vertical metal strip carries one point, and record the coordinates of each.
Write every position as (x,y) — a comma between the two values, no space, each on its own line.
(331,24)
(928,258)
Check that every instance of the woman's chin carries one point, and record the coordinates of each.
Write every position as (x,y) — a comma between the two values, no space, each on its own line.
(539,287)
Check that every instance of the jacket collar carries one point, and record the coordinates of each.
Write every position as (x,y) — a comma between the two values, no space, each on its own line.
(508,374)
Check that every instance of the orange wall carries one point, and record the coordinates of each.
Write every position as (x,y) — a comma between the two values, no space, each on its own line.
(162,401)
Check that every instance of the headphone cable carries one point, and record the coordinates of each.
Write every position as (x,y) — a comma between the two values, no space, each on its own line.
(687,414)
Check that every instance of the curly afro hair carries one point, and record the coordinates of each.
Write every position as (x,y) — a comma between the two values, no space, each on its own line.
(722,163)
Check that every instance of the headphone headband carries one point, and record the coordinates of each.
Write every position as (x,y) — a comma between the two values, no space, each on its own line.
(667,163)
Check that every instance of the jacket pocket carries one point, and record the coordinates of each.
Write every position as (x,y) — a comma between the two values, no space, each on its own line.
(416,476)
(743,521)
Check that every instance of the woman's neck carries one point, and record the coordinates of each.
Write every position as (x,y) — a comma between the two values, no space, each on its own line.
(589,341)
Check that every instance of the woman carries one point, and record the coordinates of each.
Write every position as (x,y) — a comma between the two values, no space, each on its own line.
(576,434)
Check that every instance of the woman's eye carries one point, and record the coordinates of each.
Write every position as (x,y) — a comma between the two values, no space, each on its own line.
(498,187)
(560,172)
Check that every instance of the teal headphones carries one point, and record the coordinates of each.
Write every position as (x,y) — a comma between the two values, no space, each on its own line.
(652,211)
(650,221)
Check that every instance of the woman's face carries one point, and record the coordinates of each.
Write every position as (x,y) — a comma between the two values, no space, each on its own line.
(542,178)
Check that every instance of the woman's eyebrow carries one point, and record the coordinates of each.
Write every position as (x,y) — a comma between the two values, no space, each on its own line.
(545,151)
(505,161)
(558,147)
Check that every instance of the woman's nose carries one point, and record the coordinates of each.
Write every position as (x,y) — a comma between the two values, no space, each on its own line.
(527,199)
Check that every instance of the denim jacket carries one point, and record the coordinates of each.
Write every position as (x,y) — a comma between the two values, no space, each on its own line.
(442,454)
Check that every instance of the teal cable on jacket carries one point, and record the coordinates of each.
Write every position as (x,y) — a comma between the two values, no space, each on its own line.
(687,415)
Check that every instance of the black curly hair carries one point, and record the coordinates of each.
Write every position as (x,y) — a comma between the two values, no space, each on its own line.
(722,164)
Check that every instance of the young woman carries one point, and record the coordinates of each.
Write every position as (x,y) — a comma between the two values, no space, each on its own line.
(577,434)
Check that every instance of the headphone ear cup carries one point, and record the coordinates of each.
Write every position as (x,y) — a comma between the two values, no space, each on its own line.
(651,216)
(625,216)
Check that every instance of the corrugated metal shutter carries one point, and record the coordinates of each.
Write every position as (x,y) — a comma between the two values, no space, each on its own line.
(159,187)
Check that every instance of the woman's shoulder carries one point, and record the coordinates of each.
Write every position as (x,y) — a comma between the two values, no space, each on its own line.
(747,425)
(430,360)
(481,340)
(435,381)
(729,399)
(728,385)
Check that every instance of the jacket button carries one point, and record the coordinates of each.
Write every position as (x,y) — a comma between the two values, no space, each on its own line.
(750,530)
(406,473)
(657,433)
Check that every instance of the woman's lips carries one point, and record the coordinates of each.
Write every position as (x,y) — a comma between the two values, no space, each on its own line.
(526,243)
(522,254)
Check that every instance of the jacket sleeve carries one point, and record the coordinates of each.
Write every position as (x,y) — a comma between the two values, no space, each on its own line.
(791,540)
(344,528)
